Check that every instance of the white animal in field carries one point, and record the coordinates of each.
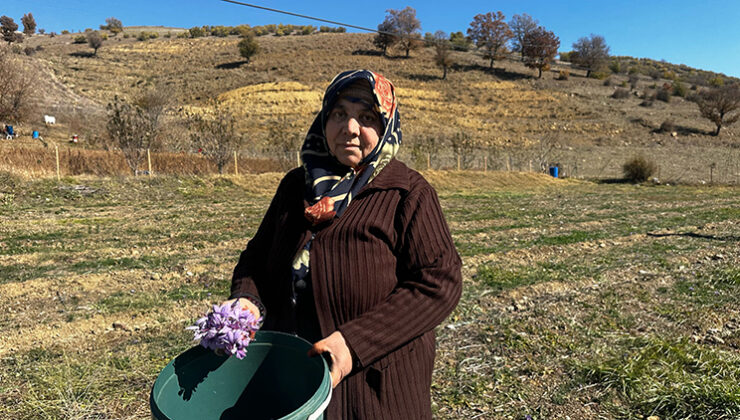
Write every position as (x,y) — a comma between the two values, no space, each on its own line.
(48,119)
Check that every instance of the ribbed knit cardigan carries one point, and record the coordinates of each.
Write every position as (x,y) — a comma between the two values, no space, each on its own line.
(384,274)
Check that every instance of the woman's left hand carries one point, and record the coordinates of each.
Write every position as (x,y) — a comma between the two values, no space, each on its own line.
(341,357)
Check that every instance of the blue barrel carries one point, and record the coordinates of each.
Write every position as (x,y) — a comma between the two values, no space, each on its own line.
(35,134)
(554,171)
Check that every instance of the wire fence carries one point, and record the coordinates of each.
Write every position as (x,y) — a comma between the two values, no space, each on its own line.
(677,164)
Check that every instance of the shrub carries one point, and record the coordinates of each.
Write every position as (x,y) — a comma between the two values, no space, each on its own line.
(621,93)
(639,169)
(599,75)
(196,32)
(634,80)
(615,67)
(143,36)
(608,81)
(679,89)
(717,81)
(663,95)
(667,127)
(563,75)
(125,35)
(65,32)
(80,39)
(29,51)
(220,31)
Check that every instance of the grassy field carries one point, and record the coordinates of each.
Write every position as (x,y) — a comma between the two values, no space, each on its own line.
(581,300)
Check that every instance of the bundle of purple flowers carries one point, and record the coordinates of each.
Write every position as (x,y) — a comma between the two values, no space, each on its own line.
(228,328)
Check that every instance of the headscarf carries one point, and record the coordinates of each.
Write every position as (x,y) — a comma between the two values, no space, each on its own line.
(331,185)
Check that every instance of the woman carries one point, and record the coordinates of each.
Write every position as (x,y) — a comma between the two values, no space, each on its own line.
(355,256)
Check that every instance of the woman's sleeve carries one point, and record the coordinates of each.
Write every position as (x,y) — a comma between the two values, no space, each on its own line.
(429,284)
(249,269)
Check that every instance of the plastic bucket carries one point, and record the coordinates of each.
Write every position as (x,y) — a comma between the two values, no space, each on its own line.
(276,380)
(34,134)
(554,171)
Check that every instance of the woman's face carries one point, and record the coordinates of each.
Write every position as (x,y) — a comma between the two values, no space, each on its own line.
(352,131)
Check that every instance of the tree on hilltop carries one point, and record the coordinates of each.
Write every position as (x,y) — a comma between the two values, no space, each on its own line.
(539,48)
(520,26)
(19,83)
(442,52)
(385,39)
(95,41)
(248,47)
(591,53)
(113,25)
(490,32)
(719,105)
(407,26)
(29,24)
(8,28)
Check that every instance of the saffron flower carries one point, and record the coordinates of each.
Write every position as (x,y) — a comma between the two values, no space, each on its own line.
(228,328)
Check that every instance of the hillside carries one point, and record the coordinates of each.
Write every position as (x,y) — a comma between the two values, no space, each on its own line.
(502,109)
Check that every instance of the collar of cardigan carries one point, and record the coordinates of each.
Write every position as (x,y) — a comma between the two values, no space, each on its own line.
(395,175)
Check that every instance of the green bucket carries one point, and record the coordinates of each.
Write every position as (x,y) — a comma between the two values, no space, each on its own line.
(276,380)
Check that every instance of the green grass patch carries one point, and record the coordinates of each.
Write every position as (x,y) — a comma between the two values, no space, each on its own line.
(667,378)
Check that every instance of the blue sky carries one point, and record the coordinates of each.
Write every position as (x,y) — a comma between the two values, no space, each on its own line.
(701,34)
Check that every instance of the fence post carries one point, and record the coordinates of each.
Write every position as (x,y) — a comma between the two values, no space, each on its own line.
(298,157)
(485,163)
(429,161)
(56,152)
(236,164)
(149,162)
(508,162)
(458,162)
(530,165)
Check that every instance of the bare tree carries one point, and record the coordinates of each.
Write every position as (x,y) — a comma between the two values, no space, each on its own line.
(8,28)
(539,49)
(29,24)
(591,53)
(385,38)
(406,25)
(490,32)
(18,84)
(133,127)
(442,52)
(720,105)
(520,26)
(214,134)
(95,41)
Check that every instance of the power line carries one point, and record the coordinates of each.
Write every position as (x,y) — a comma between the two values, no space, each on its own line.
(309,17)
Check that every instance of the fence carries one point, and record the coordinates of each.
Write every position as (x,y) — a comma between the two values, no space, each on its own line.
(677,164)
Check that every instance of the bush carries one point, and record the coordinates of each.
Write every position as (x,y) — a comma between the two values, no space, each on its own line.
(563,75)
(125,35)
(608,81)
(634,79)
(599,75)
(663,95)
(621,93)
(679,89)
(65,32)
(639,169)
(143,36)
(29,51)
(80,39)
(196,32)
(667,127)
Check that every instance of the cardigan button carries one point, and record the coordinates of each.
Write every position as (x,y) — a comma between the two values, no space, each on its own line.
(300,284)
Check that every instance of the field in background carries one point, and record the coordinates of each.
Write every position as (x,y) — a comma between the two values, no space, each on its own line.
(580,301)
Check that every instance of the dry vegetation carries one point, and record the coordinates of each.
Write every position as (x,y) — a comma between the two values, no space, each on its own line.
(505,111)
(581,300)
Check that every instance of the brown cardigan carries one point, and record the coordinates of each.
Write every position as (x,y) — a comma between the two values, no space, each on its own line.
(384,274)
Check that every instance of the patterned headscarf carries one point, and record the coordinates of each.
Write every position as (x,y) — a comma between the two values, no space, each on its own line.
(331,185)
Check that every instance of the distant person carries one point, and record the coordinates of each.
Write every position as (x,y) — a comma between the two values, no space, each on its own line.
(355,256)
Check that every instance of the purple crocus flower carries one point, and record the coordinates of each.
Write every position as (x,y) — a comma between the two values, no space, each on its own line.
(228,328)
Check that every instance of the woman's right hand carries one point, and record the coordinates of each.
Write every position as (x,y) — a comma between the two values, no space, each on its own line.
(245,304)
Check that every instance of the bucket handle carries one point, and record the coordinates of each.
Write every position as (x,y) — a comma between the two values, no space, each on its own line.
(316,414)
